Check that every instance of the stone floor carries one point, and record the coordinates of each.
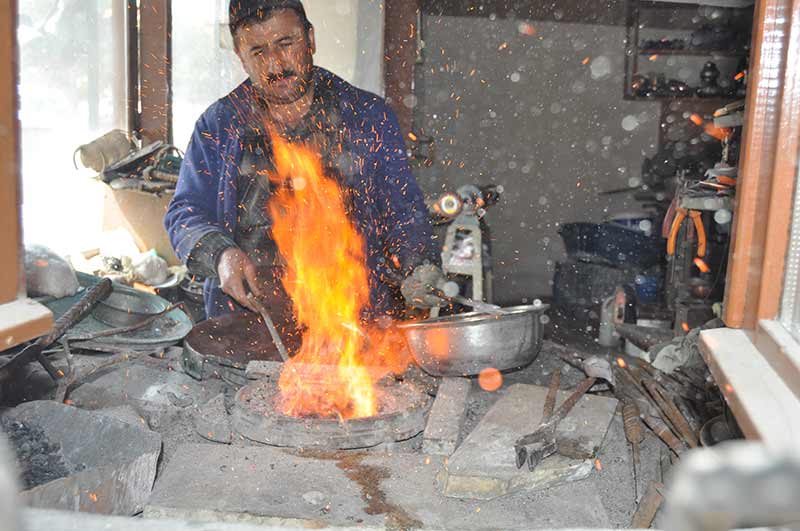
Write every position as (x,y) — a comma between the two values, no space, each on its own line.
(246,482)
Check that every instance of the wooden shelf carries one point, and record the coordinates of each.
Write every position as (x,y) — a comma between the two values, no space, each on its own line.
(692,51)
(732,4)
(680,98)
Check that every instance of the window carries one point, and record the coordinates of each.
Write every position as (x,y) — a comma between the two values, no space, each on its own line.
(72,91)
(349,37)
(790,309)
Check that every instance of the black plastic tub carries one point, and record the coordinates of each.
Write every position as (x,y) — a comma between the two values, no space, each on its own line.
(611,244)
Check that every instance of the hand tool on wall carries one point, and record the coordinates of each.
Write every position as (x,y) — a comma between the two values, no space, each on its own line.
(74,315)
(680,216)
(540,444)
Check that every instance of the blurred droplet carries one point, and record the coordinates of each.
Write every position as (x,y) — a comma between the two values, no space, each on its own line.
(723,217)
(490,379)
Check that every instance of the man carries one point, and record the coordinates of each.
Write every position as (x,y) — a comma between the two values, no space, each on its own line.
(218,221)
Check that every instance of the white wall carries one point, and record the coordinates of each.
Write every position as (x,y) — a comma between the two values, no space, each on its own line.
(537,107)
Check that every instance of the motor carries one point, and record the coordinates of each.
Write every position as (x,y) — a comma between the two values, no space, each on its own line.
(467,244)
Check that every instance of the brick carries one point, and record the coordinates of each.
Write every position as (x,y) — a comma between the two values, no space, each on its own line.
(446,418)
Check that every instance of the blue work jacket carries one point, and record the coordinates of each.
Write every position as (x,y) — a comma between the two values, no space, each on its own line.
(388,207)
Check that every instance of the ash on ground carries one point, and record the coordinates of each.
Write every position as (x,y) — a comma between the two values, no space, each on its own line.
(39,460)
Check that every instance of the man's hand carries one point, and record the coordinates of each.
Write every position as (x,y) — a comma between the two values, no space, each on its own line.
(418,288)
(235,269)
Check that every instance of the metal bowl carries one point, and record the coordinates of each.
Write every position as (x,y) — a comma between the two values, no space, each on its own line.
(128,307)
(467,343)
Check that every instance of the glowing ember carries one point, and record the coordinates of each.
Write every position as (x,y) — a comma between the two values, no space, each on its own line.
(701,265)
(335,371)
(621,363)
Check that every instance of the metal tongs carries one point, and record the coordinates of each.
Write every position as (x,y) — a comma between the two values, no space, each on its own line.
(276,338)
(540,444)
(478,306)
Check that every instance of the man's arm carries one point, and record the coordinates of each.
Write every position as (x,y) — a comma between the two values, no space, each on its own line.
(192,219)
(409,230)
(193,223)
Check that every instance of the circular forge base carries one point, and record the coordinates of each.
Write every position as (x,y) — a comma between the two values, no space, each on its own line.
(404,412)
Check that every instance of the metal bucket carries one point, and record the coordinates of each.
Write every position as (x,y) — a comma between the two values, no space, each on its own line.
(465,344)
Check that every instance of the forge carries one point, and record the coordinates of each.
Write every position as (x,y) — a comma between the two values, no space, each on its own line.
(402,413)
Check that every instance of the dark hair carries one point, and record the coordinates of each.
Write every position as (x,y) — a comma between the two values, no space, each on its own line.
(265,14)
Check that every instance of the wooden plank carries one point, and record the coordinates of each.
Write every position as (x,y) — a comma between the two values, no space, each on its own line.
(764,405)
(23,320)
(783,178)
(760,141)
(11,284)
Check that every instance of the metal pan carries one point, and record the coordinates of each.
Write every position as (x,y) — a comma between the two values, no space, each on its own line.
(127,307)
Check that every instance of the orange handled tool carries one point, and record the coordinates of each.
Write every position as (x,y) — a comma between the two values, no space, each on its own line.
(680,216)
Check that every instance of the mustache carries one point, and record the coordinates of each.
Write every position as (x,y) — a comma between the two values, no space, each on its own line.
(272,78)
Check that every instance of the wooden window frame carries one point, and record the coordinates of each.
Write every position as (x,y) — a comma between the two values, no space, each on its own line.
(21,319)
(756,361)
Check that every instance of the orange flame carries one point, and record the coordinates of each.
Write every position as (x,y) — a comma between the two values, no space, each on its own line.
(327,279)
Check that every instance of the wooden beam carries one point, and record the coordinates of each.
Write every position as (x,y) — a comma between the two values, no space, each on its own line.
(760,144)
(10,236)
(155,69)
(400,57)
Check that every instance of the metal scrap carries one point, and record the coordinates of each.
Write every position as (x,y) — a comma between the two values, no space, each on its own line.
(75,314)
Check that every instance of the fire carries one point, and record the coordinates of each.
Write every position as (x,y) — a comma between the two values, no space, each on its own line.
(327,279)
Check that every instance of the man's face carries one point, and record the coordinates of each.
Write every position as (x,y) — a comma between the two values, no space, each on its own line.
(278,55)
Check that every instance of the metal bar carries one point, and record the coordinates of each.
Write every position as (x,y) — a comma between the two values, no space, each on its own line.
(74,315)
(569,403)
(132,60)
(276,338)
(672,413)
(552,393)
(663,432)
(651,502)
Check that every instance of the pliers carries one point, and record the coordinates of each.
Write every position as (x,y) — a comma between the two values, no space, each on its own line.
(535,447)
(680,216)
